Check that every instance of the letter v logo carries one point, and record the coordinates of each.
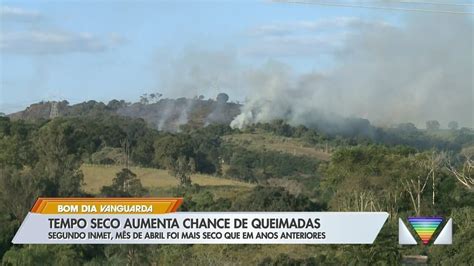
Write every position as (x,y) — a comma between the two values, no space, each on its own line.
(425,228)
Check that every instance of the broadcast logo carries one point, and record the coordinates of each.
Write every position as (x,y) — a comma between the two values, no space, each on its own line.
(425,228)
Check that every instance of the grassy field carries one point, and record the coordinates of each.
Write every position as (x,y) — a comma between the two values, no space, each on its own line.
(97,176)
(271,142)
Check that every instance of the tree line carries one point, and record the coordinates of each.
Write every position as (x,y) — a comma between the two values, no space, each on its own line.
(402,171)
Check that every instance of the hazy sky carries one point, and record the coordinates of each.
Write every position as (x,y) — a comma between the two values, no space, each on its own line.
(388,66)
(80,50)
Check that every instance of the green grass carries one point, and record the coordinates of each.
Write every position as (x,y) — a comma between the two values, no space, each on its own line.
(157,180)
(277,143)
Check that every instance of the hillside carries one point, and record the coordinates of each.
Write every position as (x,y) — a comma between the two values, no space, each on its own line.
(262,141)
(164,114)
(263,167)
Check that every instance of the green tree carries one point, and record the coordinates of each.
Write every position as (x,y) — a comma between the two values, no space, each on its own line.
(182,169)
(16,148)
(125,184)
(169,147)
(453,125)
(43,255)
(222,98)
(12,182)
(460,252)
(432,125)
(273,199)
(127,255)
(57,166)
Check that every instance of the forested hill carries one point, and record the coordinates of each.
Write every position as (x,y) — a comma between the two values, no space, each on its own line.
(163,114)
(90,150)
(172,115)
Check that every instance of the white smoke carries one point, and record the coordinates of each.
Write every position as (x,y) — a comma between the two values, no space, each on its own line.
(195,72)
(413,72)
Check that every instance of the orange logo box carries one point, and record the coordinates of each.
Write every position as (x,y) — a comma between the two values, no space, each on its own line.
(106,205)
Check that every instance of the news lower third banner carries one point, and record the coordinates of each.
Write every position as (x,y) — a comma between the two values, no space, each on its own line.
(155,221)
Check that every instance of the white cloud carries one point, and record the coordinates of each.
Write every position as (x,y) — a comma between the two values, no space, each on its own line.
(52,42)
(8,13)
(44,39)
(304,26)
(296,45)
(274,29)
(304,38)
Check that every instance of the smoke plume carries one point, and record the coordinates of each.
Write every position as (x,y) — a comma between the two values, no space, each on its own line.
(417,70)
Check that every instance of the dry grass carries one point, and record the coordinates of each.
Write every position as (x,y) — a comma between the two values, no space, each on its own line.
(277,143)
(97,176)
(468,151)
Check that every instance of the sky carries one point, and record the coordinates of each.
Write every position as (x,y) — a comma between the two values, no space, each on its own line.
(101,50)
(279,58)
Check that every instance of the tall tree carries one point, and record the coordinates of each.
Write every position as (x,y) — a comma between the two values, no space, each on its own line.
(12,182)
(182,169)
(125,145)
(414,180)
(58,167)
(125,184)
(432,162)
